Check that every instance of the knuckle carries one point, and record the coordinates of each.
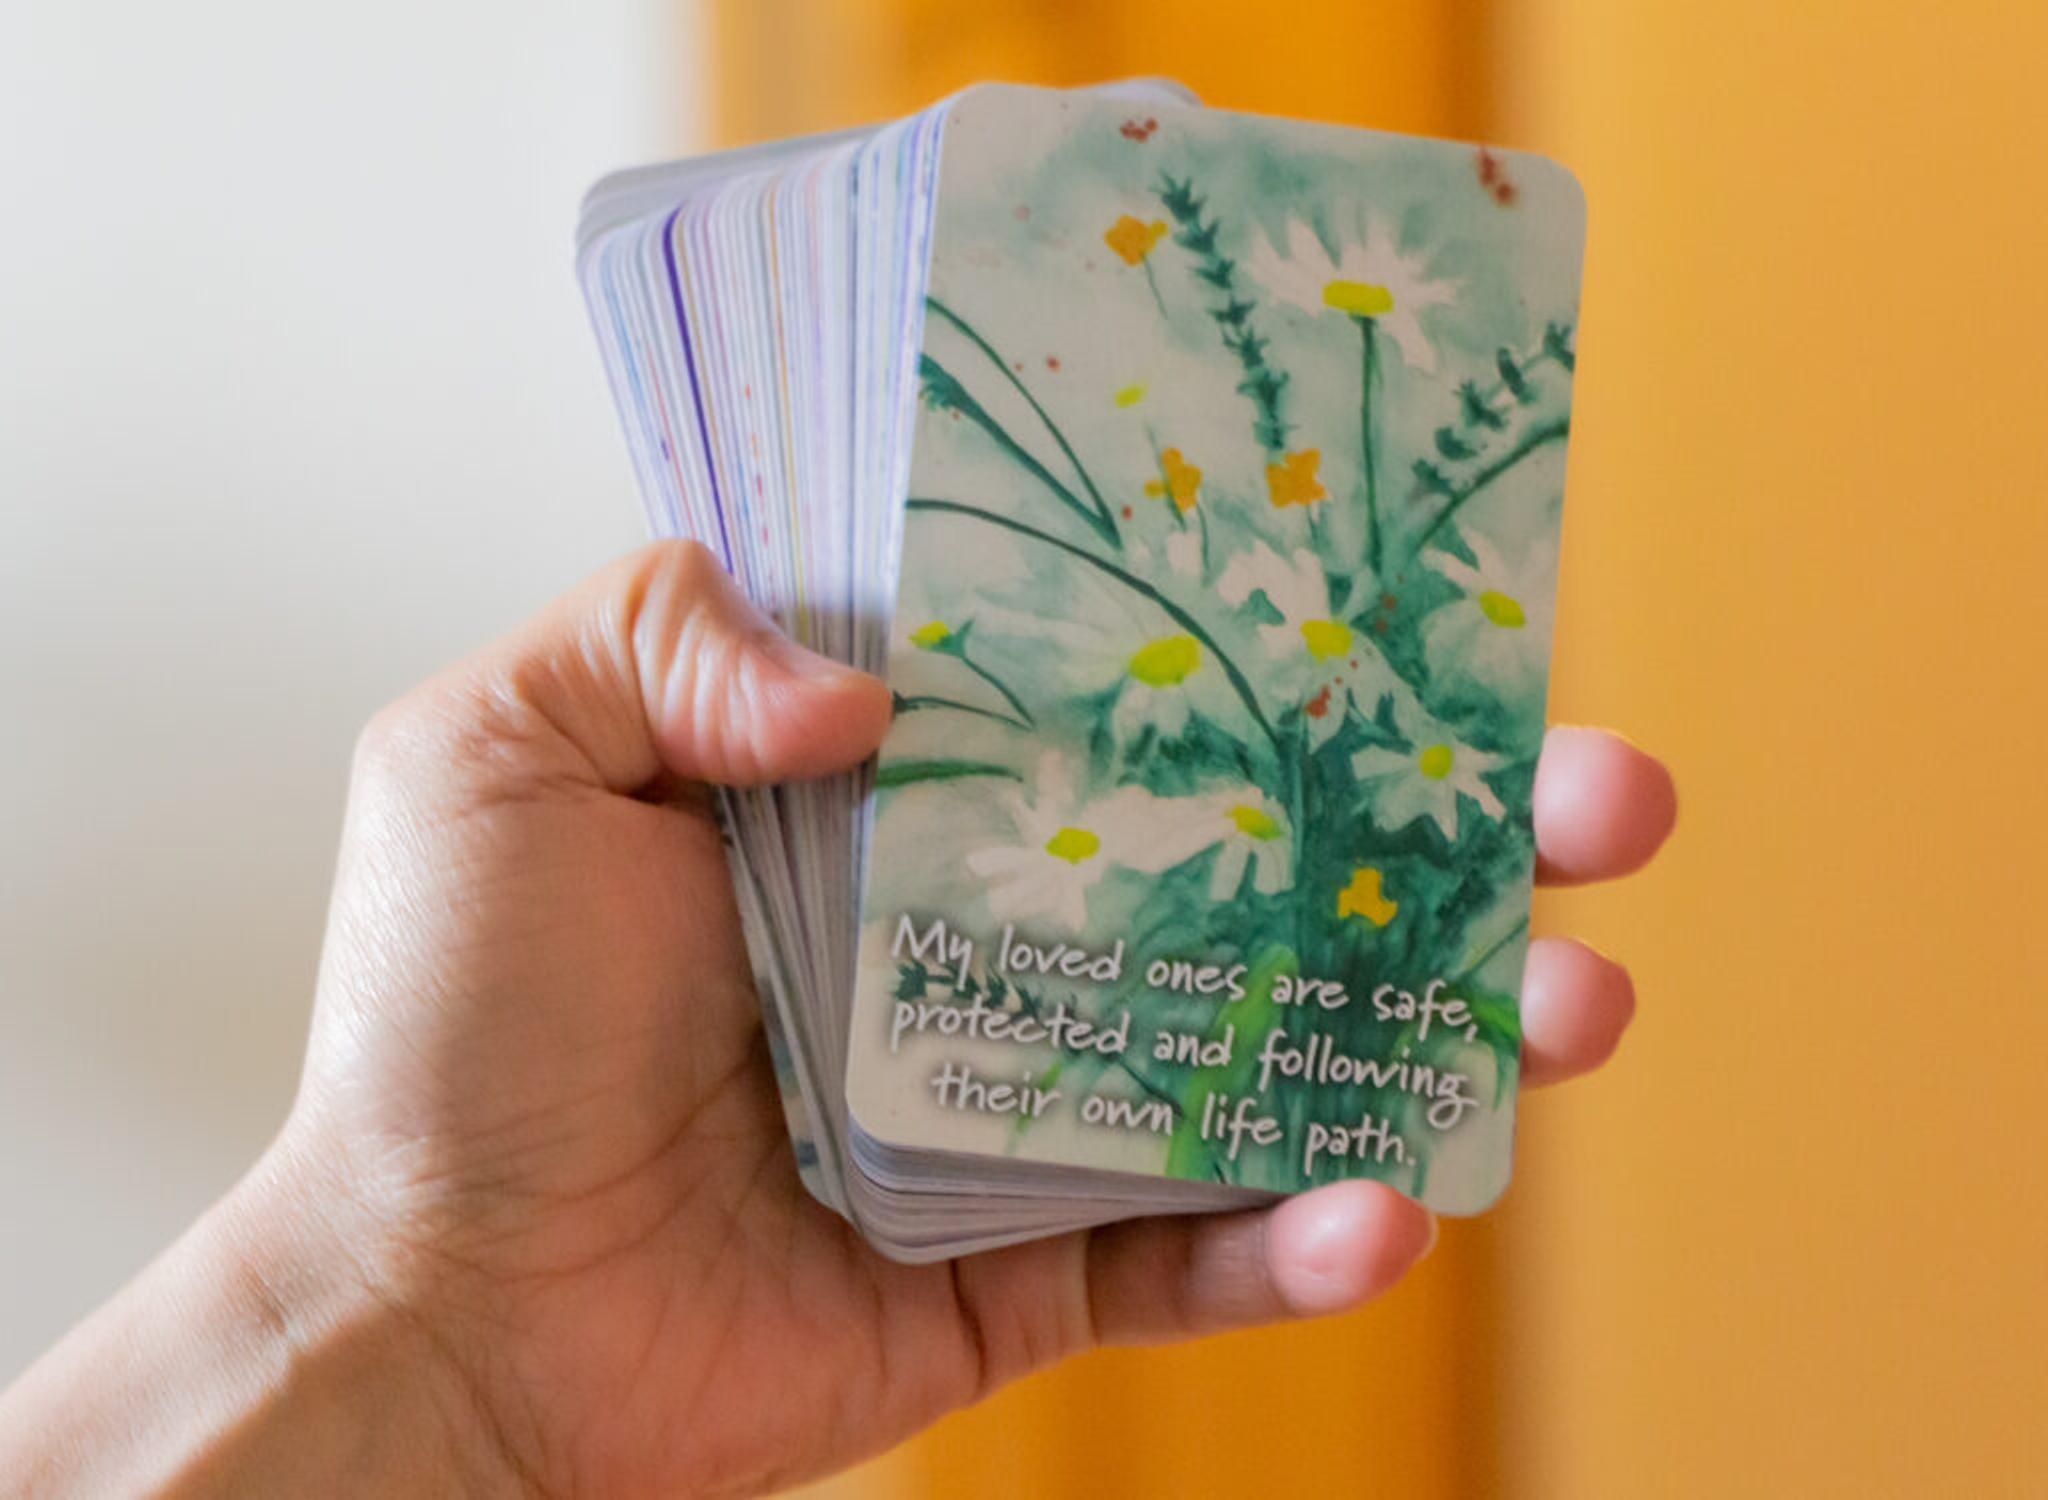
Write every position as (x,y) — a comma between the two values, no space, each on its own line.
(677,566)
(655,595)
(417,730)
(382,742)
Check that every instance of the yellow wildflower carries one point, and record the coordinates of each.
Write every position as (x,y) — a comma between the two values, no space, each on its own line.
(1363,898)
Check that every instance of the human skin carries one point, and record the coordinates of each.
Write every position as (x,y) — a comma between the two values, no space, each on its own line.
(533,1226)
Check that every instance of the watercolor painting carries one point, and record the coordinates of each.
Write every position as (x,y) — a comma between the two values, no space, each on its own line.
(1223,635)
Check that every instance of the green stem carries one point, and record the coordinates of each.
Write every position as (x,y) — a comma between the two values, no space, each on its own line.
(1534,438)
(998,684)
(1294,797)
(953,395)
(1487,957)
(1262,384)
(1367,368)
(912,703)
(1238,681)
(1153,282)
(1030,1005)
(1059,437)
(1530,361)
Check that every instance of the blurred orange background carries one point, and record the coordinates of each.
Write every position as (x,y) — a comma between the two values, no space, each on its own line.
(1794,1240)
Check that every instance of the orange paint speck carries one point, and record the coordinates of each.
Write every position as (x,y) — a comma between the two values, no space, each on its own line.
(1317,706)
(1493,177)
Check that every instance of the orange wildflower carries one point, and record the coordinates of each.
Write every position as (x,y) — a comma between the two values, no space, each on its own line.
(1133,239)
(1293,481)
(1181,480)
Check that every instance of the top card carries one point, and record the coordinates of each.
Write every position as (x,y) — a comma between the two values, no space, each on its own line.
(1202,842)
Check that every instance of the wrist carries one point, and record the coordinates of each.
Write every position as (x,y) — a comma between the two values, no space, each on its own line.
(365,1392)
(269,1351)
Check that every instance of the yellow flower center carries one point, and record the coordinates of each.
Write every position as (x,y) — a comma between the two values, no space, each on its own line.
(1359,298)
(1073,845)
(1326,638)
(1166,661)
(1503,609)
(1255,822)
(1364,898)
(1434,762)
(931,633)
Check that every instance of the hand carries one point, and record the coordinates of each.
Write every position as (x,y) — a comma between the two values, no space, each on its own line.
(538,1163)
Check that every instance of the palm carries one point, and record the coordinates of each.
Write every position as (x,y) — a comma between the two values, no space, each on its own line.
(589,1117)
(538,1125)
(536,1058)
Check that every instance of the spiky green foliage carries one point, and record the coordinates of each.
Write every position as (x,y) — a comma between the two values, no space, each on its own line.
(1262,385)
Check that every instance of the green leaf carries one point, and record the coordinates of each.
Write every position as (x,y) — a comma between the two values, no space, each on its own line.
(1431,478)
(904,772)
(1476,409)
(1512,377)
(1557,343)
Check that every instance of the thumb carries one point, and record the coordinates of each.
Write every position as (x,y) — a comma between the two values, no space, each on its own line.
(655,668)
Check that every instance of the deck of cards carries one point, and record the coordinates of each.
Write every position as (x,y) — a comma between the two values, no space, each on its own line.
(1193,479)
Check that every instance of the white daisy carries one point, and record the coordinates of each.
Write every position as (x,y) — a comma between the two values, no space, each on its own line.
(1255,833)
(1151,672)
(1065,846)
(1177,556)
(1319,662)
(1499,632)
(1427,779)
(1370,279)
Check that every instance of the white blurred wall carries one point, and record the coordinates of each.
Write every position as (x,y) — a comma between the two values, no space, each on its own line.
(296,402)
